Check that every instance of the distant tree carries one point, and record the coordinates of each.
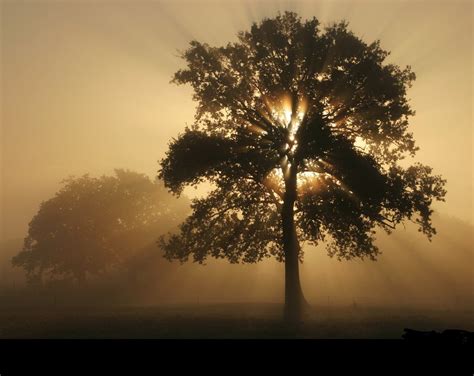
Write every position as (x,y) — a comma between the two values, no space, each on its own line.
(93,224)
(300,132)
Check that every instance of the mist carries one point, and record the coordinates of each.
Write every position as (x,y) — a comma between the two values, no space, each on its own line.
(85,89)
(410,273)
(86,85)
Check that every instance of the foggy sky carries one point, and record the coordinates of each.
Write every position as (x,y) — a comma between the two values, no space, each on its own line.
(85,85)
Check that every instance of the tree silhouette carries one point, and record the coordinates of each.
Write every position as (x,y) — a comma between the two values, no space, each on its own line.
(93,224)
(300,132)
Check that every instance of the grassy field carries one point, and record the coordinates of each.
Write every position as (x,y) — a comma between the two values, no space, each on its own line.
(222,321)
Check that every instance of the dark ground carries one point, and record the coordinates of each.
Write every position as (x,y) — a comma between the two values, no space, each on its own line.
(222,321)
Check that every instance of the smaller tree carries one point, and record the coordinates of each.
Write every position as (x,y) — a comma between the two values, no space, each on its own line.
(94,224)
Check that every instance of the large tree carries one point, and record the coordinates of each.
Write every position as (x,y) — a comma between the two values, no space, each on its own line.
(300,132)
(93,224)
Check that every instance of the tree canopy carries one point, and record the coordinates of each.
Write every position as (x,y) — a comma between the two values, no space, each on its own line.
(293,112)
(93,224)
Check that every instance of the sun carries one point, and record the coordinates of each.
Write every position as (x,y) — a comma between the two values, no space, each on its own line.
(313,179)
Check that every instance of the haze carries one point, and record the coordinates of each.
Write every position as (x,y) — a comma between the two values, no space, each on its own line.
(86,89)
(86,85)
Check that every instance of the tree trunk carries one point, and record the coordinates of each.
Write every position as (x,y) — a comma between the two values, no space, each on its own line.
(295,302)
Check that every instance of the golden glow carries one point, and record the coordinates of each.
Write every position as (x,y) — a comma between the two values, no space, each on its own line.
(275,183)
(281,112)
(309,181)
(287,116)
(256,129)
(78,73)
(110,70)
(360,143)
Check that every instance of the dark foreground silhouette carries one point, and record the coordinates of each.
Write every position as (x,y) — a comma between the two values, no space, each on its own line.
(239,320)
(288,120)
(451,336)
